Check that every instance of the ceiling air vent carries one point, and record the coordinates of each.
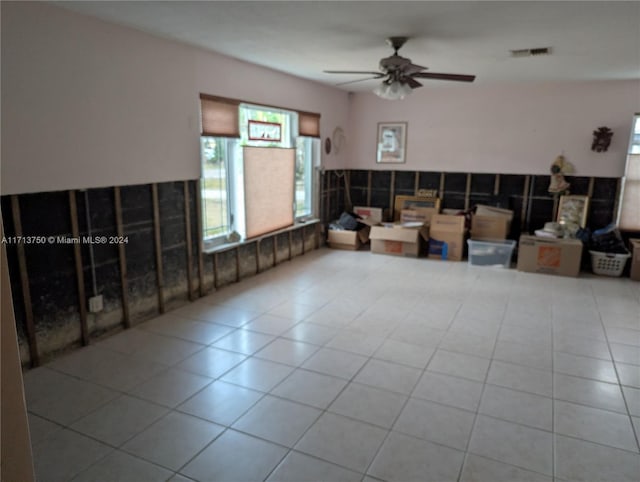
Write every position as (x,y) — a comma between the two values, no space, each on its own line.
(531,52)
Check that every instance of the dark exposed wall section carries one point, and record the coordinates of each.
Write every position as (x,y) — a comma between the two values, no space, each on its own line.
(527,196)
(52,277)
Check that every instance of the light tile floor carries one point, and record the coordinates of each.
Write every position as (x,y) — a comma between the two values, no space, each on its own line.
(350,366)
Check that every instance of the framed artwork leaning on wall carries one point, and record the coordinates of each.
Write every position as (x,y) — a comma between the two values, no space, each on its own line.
(573,210)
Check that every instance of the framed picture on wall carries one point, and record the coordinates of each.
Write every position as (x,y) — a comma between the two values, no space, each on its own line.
(573,210)
(392,142)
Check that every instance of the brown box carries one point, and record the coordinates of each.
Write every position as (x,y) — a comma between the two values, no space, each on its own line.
(398,240)
(350,240)
(369,215)
(489,222)
(490,227)
(634,245)
(446,237)
(484,210)
(354,240)
(422,215)
(412,202)
(549,256)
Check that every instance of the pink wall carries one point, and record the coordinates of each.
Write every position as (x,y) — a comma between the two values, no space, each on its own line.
(87,104)
(516,129)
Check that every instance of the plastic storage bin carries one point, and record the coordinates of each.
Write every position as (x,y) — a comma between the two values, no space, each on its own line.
(496,252)
(608,264)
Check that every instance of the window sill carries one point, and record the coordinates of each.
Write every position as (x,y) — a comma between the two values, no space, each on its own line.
(223,247)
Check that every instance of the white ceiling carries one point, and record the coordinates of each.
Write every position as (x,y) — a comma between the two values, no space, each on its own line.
(597,40)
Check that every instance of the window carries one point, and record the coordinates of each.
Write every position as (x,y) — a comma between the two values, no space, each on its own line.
(307,156)
(215,183)
(629,214)
(258,175)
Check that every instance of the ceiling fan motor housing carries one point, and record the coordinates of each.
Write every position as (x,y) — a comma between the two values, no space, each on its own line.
(395,62)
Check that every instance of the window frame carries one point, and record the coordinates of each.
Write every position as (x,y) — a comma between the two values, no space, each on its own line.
(311,181)
(633,155)
(219,238)
(236,195)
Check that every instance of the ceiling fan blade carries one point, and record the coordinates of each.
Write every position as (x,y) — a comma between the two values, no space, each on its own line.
(359,80)
(353,72)
(413,68)
(413,83)
(434,75)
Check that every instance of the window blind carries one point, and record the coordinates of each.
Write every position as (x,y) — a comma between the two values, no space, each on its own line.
(630,205)
(308,124)
(220,116)
(268,189)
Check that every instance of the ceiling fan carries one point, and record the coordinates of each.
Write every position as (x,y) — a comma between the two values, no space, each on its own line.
(399,74)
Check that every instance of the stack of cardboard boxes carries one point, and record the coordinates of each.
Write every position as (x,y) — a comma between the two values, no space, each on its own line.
(407,236)
(446,234)
(447,237)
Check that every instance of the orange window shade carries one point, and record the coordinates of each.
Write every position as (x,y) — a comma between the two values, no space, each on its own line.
(219,116)
(308,124)
(269,189)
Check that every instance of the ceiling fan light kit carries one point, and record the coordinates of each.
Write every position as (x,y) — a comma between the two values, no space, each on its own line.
(394,90)
(399,74)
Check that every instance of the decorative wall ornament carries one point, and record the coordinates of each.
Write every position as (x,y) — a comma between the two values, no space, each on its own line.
(559,168)
(601,139)
(338,139)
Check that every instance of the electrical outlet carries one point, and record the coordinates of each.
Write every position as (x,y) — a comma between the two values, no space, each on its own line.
(96,304)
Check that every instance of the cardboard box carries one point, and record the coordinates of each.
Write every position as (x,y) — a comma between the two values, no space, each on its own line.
(484,210)
(634,245)
(349,240)
(398,240)
(370,216)
(490,222)
(549,256)
(490,227)
(412,202)
(422,215)
(446,237)
(354,240)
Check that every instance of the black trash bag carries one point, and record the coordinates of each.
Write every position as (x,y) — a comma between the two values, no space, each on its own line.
(584,235)
(608,240)
(349,221)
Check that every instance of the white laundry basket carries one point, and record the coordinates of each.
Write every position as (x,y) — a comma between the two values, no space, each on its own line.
(608,264)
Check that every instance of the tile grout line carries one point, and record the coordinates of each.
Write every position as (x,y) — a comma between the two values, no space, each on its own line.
(615,368)
(324,410)
(554,460)
(484,385)
(375,455)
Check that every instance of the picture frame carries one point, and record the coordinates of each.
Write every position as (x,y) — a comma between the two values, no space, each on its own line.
(573,210)
(391,143)
(265,131)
